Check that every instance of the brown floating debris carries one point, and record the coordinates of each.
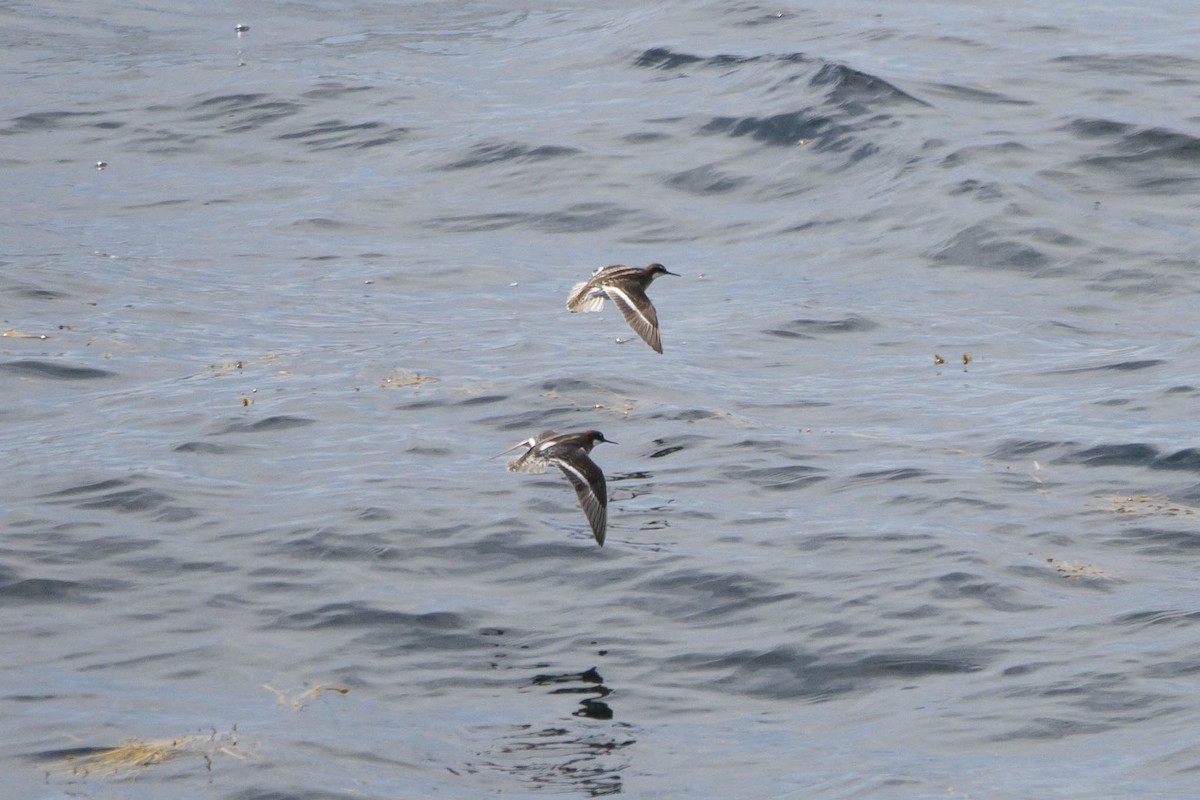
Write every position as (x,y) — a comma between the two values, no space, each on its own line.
(301,701)
(404,378)
(242,363)
(1149,504)
(938,359)
(134,753)
(1074,570)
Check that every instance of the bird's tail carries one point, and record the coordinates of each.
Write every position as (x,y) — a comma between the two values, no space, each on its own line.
(582,300)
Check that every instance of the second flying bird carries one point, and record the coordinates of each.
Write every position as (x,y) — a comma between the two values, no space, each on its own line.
(569,452)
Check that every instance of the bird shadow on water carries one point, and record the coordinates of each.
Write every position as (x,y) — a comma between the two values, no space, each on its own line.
(574,756)
(592,683)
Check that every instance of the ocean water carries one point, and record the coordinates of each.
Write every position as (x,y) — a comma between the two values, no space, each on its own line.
(907,507)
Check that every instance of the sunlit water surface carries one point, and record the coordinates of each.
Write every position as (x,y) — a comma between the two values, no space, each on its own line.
(905,509)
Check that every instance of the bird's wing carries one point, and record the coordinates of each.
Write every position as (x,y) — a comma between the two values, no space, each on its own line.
(585,297)
(639,313)
(583,474)
(534,459)
(529,461)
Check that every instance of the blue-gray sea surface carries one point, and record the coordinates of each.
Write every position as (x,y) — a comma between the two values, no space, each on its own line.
(254,369)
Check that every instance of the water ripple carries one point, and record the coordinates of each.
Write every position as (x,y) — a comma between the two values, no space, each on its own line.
(54,370)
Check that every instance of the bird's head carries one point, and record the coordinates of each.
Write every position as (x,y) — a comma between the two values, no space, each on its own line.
(594,438)
(656,269)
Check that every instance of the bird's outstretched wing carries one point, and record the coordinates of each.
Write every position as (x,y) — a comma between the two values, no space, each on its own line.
(585,297)
(639,312)
(532,460)
(590,488)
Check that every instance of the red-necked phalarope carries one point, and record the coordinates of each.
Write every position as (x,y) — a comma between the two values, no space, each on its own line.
(569,452)
(626,287)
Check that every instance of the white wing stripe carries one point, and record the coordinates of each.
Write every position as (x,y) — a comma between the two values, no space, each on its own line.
(615,293)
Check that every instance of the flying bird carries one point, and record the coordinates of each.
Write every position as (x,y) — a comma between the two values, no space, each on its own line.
(569,452)
(626,287)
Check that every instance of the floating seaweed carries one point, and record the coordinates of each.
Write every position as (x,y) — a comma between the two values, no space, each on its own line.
(135,754)
(305,698)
